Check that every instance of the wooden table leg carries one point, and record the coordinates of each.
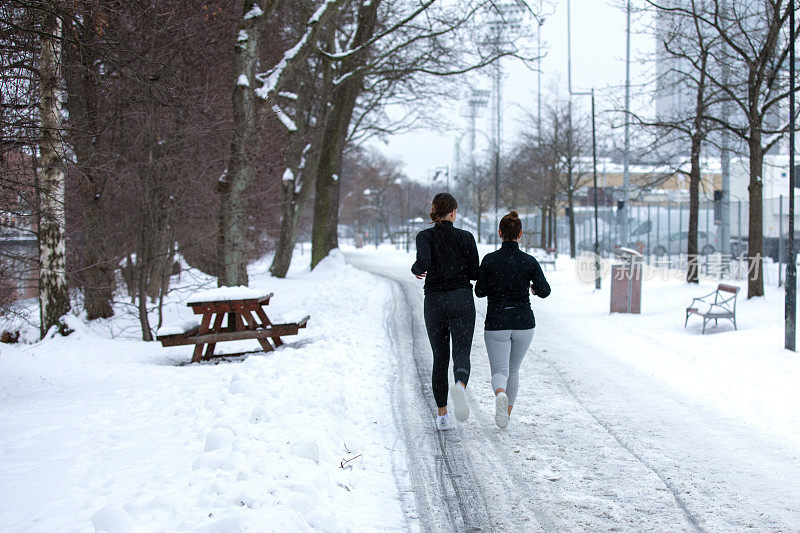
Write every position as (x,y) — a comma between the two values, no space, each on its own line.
(253,324)
(217,328)
(263,316)
(267,322)
(198,353)
(265,344)
(198,349)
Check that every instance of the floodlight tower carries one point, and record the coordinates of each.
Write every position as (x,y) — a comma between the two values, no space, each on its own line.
(477,100)
(505,23)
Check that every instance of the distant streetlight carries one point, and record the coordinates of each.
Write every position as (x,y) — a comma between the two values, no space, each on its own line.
(438,171)
(790,312)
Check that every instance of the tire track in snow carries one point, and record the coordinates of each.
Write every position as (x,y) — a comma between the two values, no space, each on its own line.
(459,493)
(607,427)
(679,501)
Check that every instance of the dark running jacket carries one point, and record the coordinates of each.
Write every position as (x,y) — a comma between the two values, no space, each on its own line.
(506,277)
(448,255)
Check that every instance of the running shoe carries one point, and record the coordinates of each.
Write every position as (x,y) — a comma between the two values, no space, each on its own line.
(501,410)
(445,422)
(460,405)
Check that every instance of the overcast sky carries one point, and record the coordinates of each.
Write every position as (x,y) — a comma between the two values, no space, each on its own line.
(598,59)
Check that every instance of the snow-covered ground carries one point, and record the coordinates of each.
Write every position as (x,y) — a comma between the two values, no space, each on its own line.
(632,421)
(102,431)
(628,422)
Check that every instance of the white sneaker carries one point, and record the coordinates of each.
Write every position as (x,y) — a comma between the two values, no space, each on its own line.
(501,410)
(445,422)
(460,405)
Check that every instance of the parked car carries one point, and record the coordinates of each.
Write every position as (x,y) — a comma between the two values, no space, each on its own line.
(607,244)
(678,242)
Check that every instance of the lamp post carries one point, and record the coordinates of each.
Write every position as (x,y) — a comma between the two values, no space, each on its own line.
(790,312)
(446,170)
(572,93)
(626,175)
(539,77)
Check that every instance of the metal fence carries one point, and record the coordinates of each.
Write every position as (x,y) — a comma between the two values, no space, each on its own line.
(660,229)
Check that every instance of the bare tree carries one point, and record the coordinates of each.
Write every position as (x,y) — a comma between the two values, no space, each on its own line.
(53,292)
(687,49)
(755,47)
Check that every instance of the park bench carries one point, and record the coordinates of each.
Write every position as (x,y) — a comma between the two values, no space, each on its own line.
(549,258)
(246,319)
(722,307)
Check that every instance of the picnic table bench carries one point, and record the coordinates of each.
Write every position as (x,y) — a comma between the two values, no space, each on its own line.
(723,306)
(246,319)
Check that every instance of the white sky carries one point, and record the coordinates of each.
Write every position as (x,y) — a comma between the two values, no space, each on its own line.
(598,59)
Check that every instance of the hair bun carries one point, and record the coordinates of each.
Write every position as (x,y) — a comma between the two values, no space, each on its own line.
(514,215)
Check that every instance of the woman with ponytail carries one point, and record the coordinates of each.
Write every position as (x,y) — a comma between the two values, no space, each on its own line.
(505,277)
(447,259)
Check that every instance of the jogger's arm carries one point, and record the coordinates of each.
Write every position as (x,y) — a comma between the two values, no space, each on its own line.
(473,258)
(481,285)
(423,262)
(539,284)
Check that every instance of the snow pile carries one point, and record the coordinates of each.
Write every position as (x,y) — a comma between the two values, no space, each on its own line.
(254,12)
(227,293)
(178,328)
(106,433)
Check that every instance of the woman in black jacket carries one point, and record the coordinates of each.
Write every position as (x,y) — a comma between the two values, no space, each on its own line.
(505,277)
(447,259)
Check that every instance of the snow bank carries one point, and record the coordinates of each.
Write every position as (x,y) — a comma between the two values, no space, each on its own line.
(104,433)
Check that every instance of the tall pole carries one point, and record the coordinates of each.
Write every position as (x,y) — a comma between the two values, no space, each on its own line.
(791,269)
(594,174)
(725,156)
(569,46)
(498,75)
(626,178)
(539,79)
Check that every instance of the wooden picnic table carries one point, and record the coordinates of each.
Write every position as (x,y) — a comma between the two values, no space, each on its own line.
(246,319)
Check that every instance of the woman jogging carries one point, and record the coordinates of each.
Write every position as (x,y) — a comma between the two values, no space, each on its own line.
(447,259)
(505,277)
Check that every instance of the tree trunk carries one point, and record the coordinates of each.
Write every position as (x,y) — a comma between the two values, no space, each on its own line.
(99,274)
(234,185)
(99,264)
(53,292)
(301,164)
(543,237)
(571,204)
(288,236)
(755,238)
(324,236)
(692,275)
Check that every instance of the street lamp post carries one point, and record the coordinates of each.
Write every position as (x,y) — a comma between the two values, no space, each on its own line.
(626,175)
(594,176)
(594,143)
(790,313)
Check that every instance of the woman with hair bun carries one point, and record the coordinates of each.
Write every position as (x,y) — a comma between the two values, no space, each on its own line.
(505,277)
(447,258)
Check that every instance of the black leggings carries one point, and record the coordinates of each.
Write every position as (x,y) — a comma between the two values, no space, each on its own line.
(450,313)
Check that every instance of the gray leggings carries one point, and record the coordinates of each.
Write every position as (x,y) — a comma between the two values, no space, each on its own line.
(506,349)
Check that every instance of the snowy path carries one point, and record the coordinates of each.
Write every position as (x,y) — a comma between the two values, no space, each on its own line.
(595,443)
